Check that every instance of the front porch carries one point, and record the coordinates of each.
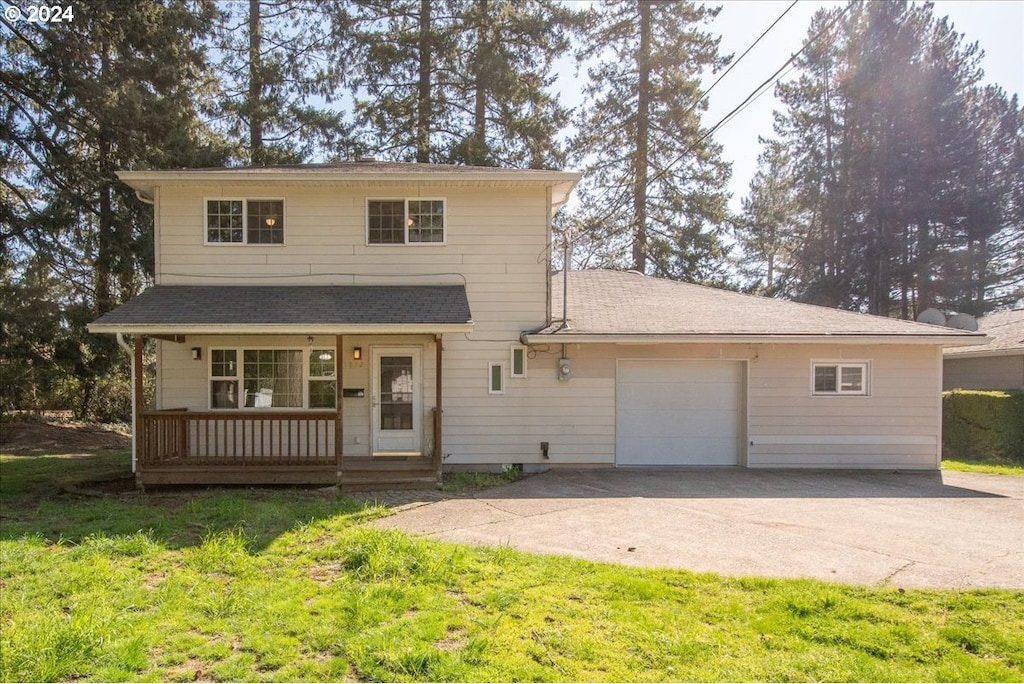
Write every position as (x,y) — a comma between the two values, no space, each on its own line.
(334,384)
(240,439)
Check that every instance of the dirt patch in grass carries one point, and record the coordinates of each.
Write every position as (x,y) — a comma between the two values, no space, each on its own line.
(26,436)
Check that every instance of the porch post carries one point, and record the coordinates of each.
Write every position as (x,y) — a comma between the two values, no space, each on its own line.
(139,404)
(339,343)
(438,409)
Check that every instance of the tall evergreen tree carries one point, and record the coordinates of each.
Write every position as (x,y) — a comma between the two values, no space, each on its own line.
(651,174)
(113,88)
(904,166)
(281,70)
(461,81)
(764,231)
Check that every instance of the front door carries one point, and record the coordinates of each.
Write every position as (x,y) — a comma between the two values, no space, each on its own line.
(396,401)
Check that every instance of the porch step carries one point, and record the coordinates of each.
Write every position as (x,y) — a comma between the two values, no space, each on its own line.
(368,474)
(368,480)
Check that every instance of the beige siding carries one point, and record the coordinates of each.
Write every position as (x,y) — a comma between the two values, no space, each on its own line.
(984,373)
(496,245)
(897,425)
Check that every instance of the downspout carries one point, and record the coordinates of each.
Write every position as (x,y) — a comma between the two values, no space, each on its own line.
(123,343)
(142,198)
(565,284)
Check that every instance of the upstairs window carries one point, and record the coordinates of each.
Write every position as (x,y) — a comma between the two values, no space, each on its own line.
(245,221)
(840,378)
(405,221)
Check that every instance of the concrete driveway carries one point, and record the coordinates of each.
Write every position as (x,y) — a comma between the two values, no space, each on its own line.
(950,530)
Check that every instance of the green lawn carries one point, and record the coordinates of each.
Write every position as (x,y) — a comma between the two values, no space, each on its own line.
(983,467)
(285,584)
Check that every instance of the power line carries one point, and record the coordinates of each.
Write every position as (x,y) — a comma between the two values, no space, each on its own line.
(703,94)
(740,58)
(754,95)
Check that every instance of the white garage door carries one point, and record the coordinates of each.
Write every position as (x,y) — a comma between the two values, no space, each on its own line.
(678,412)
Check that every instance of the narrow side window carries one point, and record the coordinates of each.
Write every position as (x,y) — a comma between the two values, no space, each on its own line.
(496,378)
(518,363)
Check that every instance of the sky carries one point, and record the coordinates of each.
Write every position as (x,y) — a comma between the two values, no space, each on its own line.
(997,26)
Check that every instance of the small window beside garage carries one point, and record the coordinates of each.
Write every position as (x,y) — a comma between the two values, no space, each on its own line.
(496,378)
(518,361)
(831,379)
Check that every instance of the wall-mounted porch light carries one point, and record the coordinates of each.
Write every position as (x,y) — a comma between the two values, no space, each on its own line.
(357,353)
(197,353)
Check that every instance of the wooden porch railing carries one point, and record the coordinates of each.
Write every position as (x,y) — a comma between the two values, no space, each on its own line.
(267,438)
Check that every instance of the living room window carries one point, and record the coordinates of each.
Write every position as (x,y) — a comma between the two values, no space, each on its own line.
(244,221)
(405,221)
(828,378)
(272,378)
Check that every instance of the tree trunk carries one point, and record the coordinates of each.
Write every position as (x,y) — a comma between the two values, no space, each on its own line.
(483,49)
(104,261)
(640,161)
(423,104)
(256,152)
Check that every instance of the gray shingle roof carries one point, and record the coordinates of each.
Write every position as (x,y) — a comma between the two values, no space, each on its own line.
(627,303)
(1004,328)
(183,305)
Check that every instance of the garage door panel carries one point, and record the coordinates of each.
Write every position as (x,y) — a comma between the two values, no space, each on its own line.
(654,396)
(678,412)
(679,425)
(658,451)
(681,371)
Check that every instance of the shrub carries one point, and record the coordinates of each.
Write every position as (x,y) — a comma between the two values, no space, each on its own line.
(983,426)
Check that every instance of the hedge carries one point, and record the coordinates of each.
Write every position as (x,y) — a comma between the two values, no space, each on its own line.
(983,426)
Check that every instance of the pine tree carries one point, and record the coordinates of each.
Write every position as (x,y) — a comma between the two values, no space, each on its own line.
(764,231)
(651,174)
(281,69)
(111,89)
(461,81)
(905,168)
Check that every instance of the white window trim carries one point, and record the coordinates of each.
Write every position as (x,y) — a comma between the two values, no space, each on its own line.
(863,364)
(245,221)
(240,377)
(490,371)
(512,361)
(320,378)
(405,221)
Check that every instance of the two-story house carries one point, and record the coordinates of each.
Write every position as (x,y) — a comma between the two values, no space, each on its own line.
(370,323)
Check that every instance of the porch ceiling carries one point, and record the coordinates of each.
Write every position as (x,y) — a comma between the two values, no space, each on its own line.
(198,309)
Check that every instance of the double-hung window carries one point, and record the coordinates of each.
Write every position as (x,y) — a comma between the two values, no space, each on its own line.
(272,379)
(831,378)
(245,221)
(405,221)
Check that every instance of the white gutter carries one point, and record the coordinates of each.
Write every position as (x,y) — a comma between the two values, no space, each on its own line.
(280,329)
(728,338)
(131,355)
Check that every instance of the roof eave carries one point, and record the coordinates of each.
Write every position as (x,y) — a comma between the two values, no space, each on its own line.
(562,182)
(983,353)
(740,338)
(282,329)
